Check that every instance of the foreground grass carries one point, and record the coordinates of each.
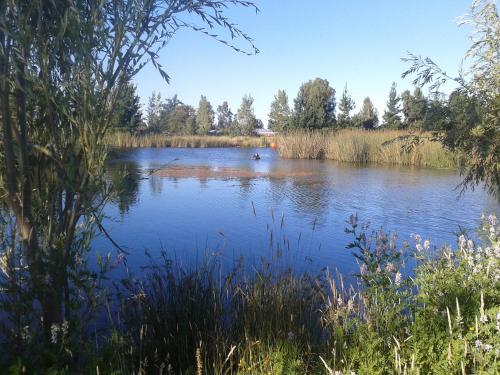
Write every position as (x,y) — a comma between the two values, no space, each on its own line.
(126,140)
(445,319)
(362,147)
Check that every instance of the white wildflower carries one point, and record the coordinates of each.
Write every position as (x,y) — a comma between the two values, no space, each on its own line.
(25,333)
(57,331)
(350,305)
(478,268)
(417,238)
(483,319)
(54,333)
(419,248)
(487,347)
(397,279)
(478,344)
(340,302)
(390,267)
(64,328)
(470,246)
(290,335)
(461,241)
(427,244)
(492,219)
(496,252)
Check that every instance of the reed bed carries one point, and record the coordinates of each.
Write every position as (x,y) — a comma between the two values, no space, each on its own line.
(126,140)
(363,147)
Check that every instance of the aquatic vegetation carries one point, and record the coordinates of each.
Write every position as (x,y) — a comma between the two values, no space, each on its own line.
(363,147)
(126,140)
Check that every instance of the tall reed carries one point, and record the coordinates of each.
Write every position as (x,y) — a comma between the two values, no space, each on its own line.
(126,140)
(363,147)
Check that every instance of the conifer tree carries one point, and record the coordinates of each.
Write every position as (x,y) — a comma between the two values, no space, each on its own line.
(204,116)
(392,117)
(414,108)
(346,105)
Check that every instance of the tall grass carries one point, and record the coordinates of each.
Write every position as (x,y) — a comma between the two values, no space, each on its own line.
(444,319)
(126,140)
(363,147)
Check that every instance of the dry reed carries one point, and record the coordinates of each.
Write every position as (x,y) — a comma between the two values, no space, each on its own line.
(363,147)
(125,140)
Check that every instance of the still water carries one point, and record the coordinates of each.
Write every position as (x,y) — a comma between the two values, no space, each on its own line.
(302,205)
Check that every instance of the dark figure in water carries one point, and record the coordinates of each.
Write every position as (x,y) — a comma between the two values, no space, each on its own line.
(256,157)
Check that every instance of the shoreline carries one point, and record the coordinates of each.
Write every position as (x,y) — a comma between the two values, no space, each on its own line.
(352,146)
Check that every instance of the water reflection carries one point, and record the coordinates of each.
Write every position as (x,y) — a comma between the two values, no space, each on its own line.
(187,215)
(155,184)
(124,178)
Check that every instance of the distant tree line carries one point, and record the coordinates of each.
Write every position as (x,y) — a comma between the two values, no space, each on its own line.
(315,107)
(172,116)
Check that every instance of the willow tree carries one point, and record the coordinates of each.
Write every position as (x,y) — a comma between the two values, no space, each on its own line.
(315,105)
(476,136)
(62,66)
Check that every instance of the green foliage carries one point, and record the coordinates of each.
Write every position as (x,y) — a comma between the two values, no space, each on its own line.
(246,123)
(478,139)
(181,120)
(391,117)
(153,112)
(280,114)
(128,109)
(414,108)
(65,68)
(204,116)
(283,358)
(443,319)
(125,179)
(346,105)
(315,105)
(437,115)
(367,116)
(224,117)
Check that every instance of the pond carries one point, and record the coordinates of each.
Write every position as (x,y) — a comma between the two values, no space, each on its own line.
(195,203)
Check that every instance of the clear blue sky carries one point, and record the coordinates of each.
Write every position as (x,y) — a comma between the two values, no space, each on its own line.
(360,42)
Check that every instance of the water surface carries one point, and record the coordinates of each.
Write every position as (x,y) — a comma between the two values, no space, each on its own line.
(301,204)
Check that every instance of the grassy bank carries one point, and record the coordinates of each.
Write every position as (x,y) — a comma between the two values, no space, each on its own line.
(362,147)
(125,140)
(443,320)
